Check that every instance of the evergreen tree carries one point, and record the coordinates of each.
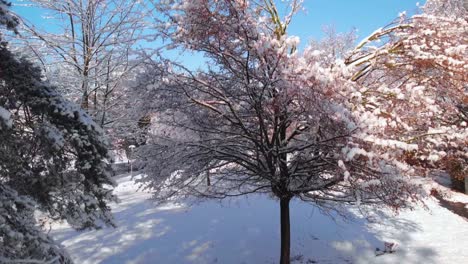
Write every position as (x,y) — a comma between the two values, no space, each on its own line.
(52,160)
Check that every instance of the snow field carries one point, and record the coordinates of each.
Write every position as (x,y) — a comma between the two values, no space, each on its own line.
(246,230)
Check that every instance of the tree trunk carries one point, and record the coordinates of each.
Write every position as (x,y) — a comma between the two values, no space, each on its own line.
(85,96)
(466,181)
(285,232)
(85,101)
(208,181)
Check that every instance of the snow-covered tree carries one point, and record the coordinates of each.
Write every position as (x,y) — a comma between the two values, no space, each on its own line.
(413,76)
(446,8)
(260,117)
(52,161)
(89,49)
(334,46)
(6,18)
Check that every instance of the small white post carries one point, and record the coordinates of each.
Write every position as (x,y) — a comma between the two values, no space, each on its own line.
(131,147)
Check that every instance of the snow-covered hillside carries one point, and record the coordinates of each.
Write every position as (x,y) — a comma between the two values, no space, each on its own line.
(246,230)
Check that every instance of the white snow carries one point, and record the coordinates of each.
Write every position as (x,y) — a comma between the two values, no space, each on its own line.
(246,230)
(5,117)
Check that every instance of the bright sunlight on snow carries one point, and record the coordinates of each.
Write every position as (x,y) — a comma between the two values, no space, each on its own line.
(246,230)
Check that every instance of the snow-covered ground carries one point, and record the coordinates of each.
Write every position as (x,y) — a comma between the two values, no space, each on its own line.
(246,230)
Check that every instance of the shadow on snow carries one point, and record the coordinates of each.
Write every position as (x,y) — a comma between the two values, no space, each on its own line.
(241,230)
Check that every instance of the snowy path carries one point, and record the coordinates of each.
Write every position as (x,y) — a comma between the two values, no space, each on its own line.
(246,230)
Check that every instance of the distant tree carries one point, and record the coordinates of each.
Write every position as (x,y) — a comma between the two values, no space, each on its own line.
(52,161)
(413,76)
(260,118)
(334,46)
(90,50)
(446,8)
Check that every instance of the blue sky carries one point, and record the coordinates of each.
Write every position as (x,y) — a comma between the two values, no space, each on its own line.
(364,15)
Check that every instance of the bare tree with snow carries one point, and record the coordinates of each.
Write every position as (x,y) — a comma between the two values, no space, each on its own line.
(89,49)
